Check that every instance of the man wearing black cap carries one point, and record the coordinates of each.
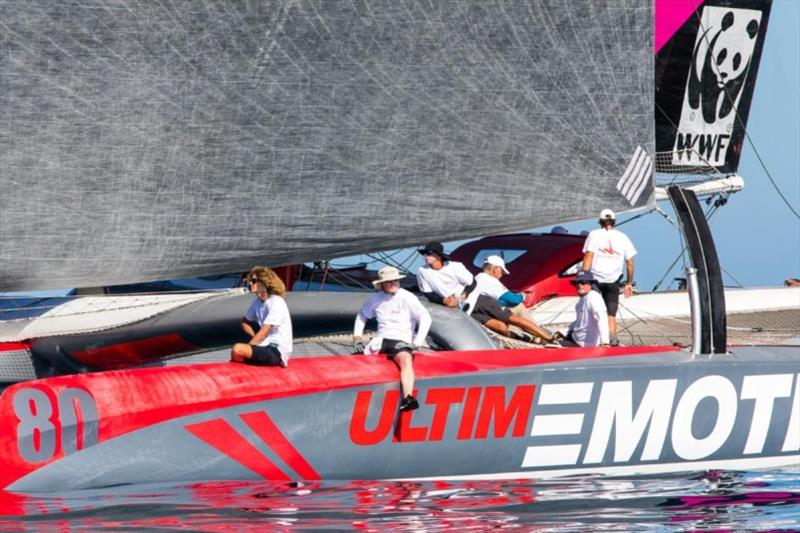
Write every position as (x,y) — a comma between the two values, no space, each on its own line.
(441,280)
(591,320)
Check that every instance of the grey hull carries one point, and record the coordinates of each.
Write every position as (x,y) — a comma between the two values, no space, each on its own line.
(482,415)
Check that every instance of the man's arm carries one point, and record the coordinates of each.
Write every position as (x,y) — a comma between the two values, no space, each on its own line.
(628,291)
(434,297)
(510,299)
(587,261)
(261,335)
(249,326)
(423,326)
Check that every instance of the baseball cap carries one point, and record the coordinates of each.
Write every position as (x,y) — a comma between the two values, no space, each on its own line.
(607,214)
(496,260)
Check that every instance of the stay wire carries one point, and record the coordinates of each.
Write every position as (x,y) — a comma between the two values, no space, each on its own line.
(750,140)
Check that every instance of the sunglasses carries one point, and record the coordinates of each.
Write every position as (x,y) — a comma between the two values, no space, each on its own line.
(428,252)
(252,281)
(583,283)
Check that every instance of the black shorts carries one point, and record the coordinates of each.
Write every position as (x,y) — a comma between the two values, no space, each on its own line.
(487,308)
(393,347)
(268,355)
(610,293)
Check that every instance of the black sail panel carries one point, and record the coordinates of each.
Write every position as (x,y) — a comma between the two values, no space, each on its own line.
(156,140)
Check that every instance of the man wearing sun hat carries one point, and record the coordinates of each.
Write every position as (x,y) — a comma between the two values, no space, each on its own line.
(441,280)
(591,321)
(398,312)
(605,253)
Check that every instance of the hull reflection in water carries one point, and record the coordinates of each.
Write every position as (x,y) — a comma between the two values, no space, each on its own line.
(716,499)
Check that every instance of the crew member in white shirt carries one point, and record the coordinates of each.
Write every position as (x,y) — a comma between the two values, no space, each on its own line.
(441,280)
(591,320)
(605,253)
(398,312)
(267,321)
(484,303)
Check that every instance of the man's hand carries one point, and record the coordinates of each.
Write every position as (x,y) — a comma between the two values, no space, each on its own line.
(628,290)
(358,346)
(450,301)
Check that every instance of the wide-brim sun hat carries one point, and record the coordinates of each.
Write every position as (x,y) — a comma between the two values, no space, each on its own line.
(583,275)
(388,273)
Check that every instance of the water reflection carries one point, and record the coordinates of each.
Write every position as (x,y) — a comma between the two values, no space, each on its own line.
(714,500)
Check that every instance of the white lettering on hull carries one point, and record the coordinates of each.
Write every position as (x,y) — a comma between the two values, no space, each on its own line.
(656,413)
(764,390)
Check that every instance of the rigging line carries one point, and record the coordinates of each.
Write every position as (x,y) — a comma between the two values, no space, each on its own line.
(731,276)
(640,215)
(750,140)
(766,171)
(669,269)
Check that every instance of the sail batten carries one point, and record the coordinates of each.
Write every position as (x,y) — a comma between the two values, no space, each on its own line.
(157,141)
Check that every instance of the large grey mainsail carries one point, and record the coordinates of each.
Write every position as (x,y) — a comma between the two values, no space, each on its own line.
(155,140)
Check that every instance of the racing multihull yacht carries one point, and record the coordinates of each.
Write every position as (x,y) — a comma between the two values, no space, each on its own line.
(404,124)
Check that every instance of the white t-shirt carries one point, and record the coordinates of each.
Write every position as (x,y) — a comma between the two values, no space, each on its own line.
(610,249)
(449,280)
(485,284)
(591,321)
(275,313)
(397,314)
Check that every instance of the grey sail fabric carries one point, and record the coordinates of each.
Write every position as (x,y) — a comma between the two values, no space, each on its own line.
(157,140)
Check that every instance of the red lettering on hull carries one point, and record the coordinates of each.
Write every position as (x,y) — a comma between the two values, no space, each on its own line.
(487,405)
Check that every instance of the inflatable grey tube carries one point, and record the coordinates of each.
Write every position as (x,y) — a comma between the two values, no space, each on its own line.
(215,323)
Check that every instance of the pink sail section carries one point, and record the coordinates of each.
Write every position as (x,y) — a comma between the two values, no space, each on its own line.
(670,16)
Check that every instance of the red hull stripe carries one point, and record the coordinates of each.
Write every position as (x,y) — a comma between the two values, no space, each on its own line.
(14,346)
(266,429)
(220,435)
(134,352)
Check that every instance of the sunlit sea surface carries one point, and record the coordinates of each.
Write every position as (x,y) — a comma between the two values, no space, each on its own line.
(709,501)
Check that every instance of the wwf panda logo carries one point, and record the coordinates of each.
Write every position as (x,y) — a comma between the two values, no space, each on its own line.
(720,64)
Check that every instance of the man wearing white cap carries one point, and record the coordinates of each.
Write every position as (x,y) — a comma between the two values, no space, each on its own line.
(487,300)
(397,312)
(605,253)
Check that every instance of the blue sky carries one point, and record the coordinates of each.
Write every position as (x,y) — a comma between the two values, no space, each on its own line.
(757,235)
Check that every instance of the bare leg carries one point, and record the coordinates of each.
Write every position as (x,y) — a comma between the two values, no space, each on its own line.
(405,363)
(530,327)
(612,326)
(241,352)
(497,326)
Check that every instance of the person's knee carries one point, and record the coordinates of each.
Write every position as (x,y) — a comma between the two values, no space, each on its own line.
(404,359)
(240,352)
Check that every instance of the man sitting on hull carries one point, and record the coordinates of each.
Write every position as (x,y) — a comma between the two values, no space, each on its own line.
(486,304)
(442,280)
(397,312)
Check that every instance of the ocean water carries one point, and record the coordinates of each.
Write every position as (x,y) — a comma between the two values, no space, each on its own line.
(708,501)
